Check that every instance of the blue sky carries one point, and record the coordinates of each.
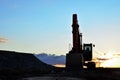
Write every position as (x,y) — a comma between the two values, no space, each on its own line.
(38,26)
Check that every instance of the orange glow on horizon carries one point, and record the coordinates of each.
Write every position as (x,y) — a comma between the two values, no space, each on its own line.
(59,65)
(110,60)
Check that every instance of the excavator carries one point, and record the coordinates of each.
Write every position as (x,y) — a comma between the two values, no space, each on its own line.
(81,54)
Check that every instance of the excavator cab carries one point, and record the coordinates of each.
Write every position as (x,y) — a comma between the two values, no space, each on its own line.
(87,55)
(87,52)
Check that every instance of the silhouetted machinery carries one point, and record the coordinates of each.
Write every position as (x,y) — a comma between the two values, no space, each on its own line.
(80,55)
(87,52)
(87,55)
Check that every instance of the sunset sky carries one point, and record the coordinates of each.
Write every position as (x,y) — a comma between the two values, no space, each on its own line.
(37,26)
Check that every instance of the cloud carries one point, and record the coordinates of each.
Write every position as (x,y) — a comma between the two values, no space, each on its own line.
(3,40)
(51,58)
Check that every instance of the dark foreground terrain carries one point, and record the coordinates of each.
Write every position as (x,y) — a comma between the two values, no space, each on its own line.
(24,66)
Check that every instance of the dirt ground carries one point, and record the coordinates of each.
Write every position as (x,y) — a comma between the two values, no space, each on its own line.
(52,78)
